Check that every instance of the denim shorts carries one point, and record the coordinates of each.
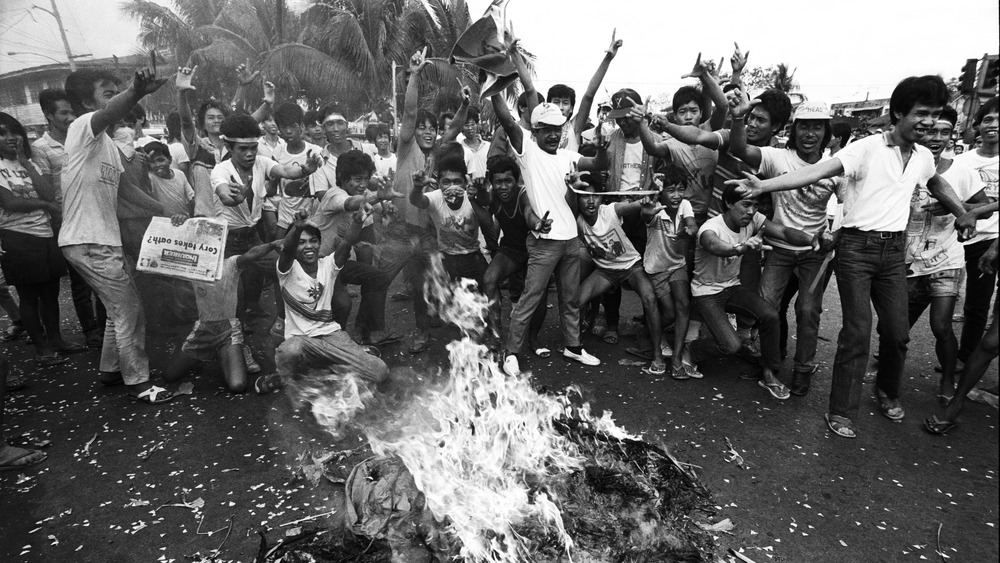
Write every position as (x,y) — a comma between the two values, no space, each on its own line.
(939,284)
(661,280)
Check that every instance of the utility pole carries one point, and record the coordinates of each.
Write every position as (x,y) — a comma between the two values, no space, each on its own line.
(54,12)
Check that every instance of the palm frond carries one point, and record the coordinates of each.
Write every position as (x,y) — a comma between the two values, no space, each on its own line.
(216,34)
(312,72)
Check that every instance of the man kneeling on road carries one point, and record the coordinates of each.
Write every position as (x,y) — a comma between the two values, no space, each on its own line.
(313,340)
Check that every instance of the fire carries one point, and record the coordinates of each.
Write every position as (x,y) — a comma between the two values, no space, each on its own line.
(482,447)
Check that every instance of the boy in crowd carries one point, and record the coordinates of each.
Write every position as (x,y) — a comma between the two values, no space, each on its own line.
(378,134)
(803,209)
(509,204)
(346,202)
(716,288)
(313,340)
(455,218)
(552,245)
(314,132)
(616,262)
(48,153)
(668,235)
(476,149)
(170,187)
(218,334)
(412,232)
(295,195)
(934,255)
(879,174)
(979,284)
(90,236)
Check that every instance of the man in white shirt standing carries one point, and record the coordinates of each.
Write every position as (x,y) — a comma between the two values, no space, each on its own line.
(880,173)
(476,149)
(90,236)
(979,284)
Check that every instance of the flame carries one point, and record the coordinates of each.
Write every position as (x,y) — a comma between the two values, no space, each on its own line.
(481,446)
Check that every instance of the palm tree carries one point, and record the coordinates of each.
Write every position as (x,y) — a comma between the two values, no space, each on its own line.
(784,80)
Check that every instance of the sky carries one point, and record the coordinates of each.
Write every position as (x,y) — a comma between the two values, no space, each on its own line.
(842,51)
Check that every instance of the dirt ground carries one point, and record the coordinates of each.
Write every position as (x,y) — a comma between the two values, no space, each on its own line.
(205,472)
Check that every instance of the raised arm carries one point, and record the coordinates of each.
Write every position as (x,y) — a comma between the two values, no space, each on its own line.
(515,135)
(408,123)
(587,102)
(258,252)
(264,109)
(291,241)
(691,135)
(182,83)
(711,87)
(144,83)
(650,144)
(417,197)
(458,122)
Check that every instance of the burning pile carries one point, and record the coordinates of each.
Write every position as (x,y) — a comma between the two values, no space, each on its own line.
(482,467)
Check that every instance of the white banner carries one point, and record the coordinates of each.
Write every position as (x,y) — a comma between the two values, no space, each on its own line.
(193,251)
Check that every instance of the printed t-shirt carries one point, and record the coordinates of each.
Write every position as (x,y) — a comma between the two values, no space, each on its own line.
(631,167)
(409,159)
(988,168)
(699,162)
(90,187)
(712,273)
(606,241)
(307,299)
(876,187)
(803,209)
(241,215)
(385,165)
(217,301)
(665,247)
(544,176)
(289,205)
(457,229)
(175,194)
(931,242)
(49,156)
(14,178)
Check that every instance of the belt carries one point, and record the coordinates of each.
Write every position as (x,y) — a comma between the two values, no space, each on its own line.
(879,234)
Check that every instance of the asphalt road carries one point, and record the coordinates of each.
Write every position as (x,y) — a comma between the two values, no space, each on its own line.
(894,494)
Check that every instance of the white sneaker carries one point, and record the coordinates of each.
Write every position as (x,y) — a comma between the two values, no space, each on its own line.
(252,366)
(583,357)
(511,367)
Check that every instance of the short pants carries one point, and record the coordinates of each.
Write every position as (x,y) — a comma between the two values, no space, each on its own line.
(661,280)
(208,338)
(620,277)
(939,284)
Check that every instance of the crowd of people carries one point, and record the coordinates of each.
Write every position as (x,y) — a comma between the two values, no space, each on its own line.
(701,212)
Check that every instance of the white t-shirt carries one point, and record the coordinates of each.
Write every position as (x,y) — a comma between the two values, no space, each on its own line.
(385,165)
(288,205)
(989,172)
(90,187)
(14,178)
(457,229)
(876,187)
(544,177)
(931,242)
(266,149)
(475,159)
(631,167)
(307,299)
(217,300)
(606,241)
(240,215)
(804,209)
(175,194)
(712,273)
(178,155)
(665,250)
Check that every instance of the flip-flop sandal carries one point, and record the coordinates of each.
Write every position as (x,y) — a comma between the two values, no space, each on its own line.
(945,400)
(840,426)
(51,360)
(7,461)
(543,352)
(938,427)
(889,408)
(777,390)
(639,353)
(654,369)
(610,337)
(153,396)
(680,374)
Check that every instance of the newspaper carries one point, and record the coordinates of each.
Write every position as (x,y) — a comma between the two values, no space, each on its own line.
(192,251)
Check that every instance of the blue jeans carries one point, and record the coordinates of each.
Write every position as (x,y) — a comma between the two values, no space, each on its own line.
(870,271)
(739,301)
(779,267)
(546,256)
